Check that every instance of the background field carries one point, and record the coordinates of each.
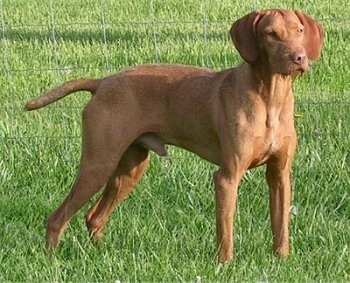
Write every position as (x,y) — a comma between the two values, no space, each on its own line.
(166,230)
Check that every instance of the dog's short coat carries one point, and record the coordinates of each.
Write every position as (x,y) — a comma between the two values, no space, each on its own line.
(237,118)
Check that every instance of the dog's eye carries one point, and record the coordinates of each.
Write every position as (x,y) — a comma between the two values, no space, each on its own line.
(300,30)
(272,33)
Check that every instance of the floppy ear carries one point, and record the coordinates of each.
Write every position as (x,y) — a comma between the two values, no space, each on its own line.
(243,36)
(313,34)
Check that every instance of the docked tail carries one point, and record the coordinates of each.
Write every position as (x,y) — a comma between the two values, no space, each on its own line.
(85,84)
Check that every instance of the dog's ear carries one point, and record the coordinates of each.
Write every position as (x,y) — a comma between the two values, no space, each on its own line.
(243,36)
(313,34)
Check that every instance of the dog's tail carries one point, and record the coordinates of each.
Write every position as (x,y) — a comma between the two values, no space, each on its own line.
(84,84)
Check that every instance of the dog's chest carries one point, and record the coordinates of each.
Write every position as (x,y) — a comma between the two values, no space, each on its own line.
(267,142)
(263,150)
(273,146)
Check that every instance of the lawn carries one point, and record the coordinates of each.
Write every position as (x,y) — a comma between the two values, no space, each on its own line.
(165,231)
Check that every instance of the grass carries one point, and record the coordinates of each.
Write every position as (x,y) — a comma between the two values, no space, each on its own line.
(166,230)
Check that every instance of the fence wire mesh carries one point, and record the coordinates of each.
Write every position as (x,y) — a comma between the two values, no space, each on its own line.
(47,42)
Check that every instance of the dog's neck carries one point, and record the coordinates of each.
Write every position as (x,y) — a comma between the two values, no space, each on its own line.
(274,88)
(275,95)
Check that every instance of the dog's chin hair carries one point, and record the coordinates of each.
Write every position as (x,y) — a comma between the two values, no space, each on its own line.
(294,72)
(297,73)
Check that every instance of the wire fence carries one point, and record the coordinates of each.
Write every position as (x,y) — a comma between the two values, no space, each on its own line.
(23,39)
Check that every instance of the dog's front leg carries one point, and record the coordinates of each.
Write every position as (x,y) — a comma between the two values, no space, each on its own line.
(278,179)
(226,187)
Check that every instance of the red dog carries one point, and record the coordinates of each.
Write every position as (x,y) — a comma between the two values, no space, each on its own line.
(237,118)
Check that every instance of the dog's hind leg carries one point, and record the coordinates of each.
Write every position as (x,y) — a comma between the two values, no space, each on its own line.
(105,139)
(129,171)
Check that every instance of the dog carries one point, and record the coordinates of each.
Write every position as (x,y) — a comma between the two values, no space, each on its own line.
(237,118)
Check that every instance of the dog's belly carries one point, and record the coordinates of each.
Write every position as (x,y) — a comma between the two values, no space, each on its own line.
(205,148)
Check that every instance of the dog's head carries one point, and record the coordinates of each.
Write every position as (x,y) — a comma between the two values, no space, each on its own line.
(283,39)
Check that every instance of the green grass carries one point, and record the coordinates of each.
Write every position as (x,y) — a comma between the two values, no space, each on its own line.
(166,230)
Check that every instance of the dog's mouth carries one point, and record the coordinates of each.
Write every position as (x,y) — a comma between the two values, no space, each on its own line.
(297,69)
(291,68)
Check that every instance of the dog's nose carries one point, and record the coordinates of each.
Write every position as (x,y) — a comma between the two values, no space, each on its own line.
(299,57)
